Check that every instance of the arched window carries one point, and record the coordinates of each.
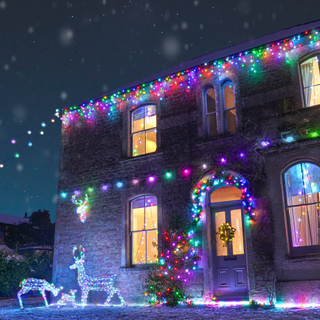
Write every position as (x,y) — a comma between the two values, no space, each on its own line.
(229,114)
(311,81)
(210,112)
(144,230)
(144,130)
(302,187)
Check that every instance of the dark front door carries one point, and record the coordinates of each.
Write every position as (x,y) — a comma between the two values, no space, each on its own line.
(229,262)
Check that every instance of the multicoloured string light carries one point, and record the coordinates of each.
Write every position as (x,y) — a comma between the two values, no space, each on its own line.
(67,298)
(83,205)
(29,132)
(87,283)
(249,60)
(36,284)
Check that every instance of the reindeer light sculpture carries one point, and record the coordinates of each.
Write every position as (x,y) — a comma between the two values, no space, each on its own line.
(87,283)
(67,298)
(36,284)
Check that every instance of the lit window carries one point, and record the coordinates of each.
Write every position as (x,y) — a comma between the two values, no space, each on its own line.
(211,113)
(311,81)
(229,113)
(144,230)
(144,130)
(302,187)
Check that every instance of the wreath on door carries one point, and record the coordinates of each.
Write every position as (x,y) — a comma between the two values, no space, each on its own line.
(226,233)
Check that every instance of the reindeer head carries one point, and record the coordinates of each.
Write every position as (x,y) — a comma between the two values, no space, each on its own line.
(55,290)
(78,260)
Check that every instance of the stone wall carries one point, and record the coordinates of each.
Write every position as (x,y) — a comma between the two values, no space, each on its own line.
(98,154)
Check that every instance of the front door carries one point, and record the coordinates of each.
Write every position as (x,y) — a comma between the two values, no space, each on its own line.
(229,262)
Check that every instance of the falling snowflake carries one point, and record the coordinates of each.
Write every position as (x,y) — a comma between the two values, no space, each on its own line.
(6,67)
(19,167)
(66,36)
(171,47)
(246,25)
(13,58)
(63,95)
(104,2)
(3,4)
(184,26)
(196,3)
(30,30)
(201,26)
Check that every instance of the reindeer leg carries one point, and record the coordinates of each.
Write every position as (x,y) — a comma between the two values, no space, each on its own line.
(84,297)
(19,294)
(109,297)
(43,293)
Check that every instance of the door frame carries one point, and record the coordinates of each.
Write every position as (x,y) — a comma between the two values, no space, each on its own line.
(224,206)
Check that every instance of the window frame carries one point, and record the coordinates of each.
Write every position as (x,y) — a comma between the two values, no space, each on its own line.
(132,111)
(224,113)
(130,232)
(301,61)
(206,114)
(304,250)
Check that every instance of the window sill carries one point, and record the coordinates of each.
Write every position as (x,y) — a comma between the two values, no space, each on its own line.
(143,156)
(138,268)
(217,140)
(305,255)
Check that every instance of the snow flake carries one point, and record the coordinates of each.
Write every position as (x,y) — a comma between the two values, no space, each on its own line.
(171,47)
(63,95)
(19,167)
(6,67)
(196,2)
(104,2)
(3,4)
(184,25)
(66,36)
(30,30)
(201,26)
(246,25)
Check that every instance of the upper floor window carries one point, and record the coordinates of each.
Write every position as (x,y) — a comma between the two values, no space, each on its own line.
(311,81)
(211,113)
(144,130)
(302,190)
(144,230)
(229,112)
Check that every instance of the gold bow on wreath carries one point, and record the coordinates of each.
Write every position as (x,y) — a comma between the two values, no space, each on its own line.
(226,233)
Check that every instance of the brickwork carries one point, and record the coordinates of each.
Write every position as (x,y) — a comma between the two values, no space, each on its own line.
(99,153)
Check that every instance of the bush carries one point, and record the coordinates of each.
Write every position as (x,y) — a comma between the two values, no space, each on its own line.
(14,268)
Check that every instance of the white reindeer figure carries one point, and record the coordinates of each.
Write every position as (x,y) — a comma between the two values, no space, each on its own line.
(36,284)
(87,283)
(67,298)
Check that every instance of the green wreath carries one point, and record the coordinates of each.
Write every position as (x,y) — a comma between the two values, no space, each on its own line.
(226,233)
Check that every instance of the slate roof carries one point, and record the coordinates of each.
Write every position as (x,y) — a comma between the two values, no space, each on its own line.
(8,219)
(223,53)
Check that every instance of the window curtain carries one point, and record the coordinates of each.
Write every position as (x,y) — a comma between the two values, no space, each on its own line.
(306,71)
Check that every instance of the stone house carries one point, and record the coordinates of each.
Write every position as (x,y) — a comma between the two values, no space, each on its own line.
(233,134)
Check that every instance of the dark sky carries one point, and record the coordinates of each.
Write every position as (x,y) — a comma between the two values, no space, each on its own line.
(55,54)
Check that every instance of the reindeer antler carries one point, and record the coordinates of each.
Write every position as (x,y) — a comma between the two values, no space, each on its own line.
(73,252)
(82,250)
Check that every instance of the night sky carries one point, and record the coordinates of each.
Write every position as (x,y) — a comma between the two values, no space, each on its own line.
(56,54)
